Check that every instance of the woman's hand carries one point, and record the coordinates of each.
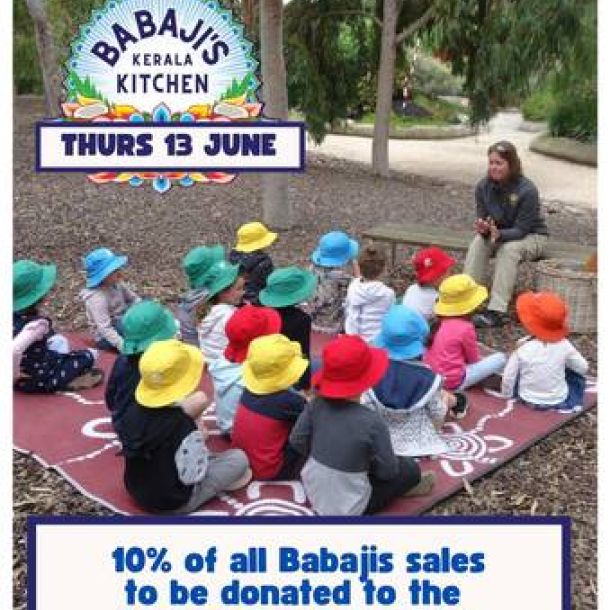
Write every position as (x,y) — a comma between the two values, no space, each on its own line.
(481,226)
(494,232)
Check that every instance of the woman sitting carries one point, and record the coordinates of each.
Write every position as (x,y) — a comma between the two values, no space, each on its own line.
(509,226)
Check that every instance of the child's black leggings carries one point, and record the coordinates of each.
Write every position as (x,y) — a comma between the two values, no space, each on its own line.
(384,492)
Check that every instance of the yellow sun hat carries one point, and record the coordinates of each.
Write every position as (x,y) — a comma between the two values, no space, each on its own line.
(254,236)
(273,363)
(170,370)
(459,295)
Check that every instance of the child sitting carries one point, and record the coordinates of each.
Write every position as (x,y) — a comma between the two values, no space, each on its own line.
(432,266)
(546,371)
(167,464)
(48,364)
(368,298)
(454,351)
(351,468)
(330,258)
(286,289)
(225,294)
(410,396)
(269,407)
(196,265)
(249,253)
(245,325)
(143,323)
(106,297)
(31,333)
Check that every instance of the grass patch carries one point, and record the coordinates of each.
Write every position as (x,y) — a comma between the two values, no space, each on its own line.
(442,113)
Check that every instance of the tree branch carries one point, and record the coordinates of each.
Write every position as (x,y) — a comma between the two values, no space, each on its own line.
(416,25)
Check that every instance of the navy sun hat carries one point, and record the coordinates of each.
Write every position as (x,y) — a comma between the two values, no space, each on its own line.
(403,333)
(335,249)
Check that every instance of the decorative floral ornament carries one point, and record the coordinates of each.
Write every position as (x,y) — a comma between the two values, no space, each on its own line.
(199,113)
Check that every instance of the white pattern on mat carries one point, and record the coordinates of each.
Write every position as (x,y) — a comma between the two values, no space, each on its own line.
(469,447)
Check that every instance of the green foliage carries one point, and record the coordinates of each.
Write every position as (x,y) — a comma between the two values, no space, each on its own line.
(442,113)
(26,69)
(65,17)
(575,115)
(538,106)
(329,61)
(238,88)
(77,86)
(434,78)
(575,85)
(567,98)
(499,45)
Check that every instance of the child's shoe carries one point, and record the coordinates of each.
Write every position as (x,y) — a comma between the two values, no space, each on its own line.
(425,485)
(87,380)
(241,482)
(460,409)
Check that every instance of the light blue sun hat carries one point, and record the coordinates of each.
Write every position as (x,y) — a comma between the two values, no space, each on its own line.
(100,263)
(403,333)
(335,249)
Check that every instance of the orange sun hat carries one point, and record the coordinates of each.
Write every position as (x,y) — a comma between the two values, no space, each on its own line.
(544,315)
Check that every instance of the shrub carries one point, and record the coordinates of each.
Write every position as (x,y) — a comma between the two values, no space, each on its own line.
(574,114)
(538,106)
(433,78)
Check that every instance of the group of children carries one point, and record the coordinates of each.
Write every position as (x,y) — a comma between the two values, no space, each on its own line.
(349,423)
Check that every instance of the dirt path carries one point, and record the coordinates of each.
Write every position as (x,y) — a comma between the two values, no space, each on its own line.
(464,160)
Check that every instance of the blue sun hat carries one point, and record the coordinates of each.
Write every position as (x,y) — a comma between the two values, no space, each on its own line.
(403,333)
(100,263)
(335,249)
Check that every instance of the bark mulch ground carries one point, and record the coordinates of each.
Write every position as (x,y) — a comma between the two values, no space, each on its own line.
(60,217)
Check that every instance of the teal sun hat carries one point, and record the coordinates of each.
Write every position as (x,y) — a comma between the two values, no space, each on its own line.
(220,276)
(31,282)
(198,262)
(288,286)
(144,323)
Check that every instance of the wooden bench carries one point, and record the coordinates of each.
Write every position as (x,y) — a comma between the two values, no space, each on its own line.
(422,235)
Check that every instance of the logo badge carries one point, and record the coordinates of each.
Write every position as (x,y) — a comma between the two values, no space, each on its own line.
(164,92)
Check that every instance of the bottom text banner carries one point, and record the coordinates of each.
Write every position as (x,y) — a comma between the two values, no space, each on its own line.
(160,564)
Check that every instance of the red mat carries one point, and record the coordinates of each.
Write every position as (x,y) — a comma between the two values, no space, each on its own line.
(71,433)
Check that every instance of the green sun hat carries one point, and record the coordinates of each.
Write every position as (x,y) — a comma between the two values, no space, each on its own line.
(220,276)
(198,262)
(144,323)
(288,286)
(31,281)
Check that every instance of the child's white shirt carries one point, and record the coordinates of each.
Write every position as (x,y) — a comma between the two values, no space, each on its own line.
(365,305)
(212,337)
(541,368)
(421,299)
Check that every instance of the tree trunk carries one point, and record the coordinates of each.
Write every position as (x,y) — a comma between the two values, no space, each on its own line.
(385,87)
(277,210)
(47,56)
(248,16)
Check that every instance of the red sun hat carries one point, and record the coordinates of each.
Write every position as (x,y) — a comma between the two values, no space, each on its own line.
(349,367)
(430,264)
(544,315)
(245,325)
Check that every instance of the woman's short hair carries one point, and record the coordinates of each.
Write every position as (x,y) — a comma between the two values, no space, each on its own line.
(508,152)
(372,261)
